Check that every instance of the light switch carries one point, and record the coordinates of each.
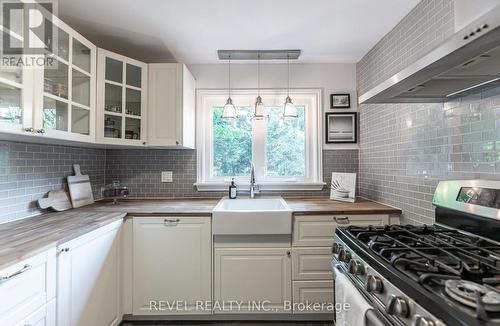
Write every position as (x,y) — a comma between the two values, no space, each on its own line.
(166,176)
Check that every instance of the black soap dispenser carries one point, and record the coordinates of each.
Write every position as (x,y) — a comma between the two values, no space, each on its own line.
(232,190)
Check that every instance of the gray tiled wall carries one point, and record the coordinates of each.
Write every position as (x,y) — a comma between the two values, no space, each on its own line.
(29,171)
(427,25)
(141,169)
(406,149)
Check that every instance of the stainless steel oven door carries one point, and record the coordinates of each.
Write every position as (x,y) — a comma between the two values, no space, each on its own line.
(354,309)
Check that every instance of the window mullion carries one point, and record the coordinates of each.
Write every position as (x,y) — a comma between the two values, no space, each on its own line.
(258,148)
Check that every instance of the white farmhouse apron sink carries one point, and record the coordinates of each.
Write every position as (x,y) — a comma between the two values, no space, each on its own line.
(246,216)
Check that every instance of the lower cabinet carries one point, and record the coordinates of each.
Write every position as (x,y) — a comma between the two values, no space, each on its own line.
(44,316)
(28,291)
(313,297)
(313,289)
(88,279)
(171,265)
(260,278)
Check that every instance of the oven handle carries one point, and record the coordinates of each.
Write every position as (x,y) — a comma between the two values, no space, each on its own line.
(375,318)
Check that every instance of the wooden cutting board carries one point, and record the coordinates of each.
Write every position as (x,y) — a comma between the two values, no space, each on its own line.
(58,200)
(79,188)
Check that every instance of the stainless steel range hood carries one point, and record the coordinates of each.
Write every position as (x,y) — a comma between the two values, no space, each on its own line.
(469,61)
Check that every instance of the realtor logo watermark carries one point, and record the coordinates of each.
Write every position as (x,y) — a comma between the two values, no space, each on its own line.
(29,37)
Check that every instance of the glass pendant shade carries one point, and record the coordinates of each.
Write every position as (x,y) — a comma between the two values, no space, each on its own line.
(289,109)
(259,111)
(229,111)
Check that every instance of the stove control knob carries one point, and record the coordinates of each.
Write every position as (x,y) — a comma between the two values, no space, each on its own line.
(398,306)
(355,267)
(423,321)
(336,248)
(374,284)
(344,256)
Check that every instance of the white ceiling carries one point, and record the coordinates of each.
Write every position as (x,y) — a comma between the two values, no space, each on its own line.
(191,31)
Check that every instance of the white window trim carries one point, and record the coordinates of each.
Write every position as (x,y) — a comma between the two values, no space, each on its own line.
(207,98)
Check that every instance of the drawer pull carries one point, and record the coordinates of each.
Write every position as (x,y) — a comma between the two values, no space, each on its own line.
(171,222)
(19,272)
(341,220)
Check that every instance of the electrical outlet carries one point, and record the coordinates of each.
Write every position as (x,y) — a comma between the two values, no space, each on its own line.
(166,176)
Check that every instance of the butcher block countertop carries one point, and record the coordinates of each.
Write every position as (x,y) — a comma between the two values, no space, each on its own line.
(25,238)
(318,206)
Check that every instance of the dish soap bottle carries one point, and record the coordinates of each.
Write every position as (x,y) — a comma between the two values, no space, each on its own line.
(232,190)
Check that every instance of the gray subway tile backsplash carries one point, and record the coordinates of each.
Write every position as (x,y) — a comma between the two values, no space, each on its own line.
(406,149)
(29,171)
(141,169)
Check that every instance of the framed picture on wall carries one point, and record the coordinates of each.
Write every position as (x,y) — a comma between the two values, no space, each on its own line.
(340,101)
(341,127)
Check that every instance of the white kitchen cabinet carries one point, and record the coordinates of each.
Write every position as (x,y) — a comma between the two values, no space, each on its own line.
(318,230)
(171,105)
(16,96)
(64,92)
(121,100)
(311,263)
(261,275)
(171,263)
(26,287)
(44,316)
(313,297)
(88,279)
(311,255)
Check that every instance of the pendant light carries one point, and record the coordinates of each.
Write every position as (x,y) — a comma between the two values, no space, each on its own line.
(229,111)
(259,109)
(288,107)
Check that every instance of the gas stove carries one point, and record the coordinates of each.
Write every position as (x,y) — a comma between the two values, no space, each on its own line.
(442,274)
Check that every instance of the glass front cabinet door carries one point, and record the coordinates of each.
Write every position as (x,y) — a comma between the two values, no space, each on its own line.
(16,96)
(65,91)
(121,99)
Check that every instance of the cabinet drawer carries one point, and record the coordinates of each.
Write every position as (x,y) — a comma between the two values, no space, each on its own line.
(311,263)
(319,293)
(44,316)
(317,231)
(27,286)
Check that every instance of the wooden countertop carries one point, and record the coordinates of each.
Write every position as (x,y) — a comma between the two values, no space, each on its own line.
(28,237)
(25,238)
(318,206)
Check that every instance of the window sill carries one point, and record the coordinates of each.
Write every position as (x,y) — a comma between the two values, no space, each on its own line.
(272,186)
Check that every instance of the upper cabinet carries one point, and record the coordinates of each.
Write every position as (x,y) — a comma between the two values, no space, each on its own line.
(16,100)
(121,100)
(171,105)
(84,94)
(64,90)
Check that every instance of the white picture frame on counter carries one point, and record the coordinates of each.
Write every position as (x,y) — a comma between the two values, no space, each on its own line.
(343,187)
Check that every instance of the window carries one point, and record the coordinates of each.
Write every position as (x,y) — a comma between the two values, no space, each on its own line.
(286,153)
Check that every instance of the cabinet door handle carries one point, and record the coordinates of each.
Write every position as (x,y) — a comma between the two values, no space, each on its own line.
(29,129)
(341,220)
(19,272)
(171,221)
(288,253)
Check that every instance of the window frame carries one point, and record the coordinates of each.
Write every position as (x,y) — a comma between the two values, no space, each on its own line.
(206,99)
